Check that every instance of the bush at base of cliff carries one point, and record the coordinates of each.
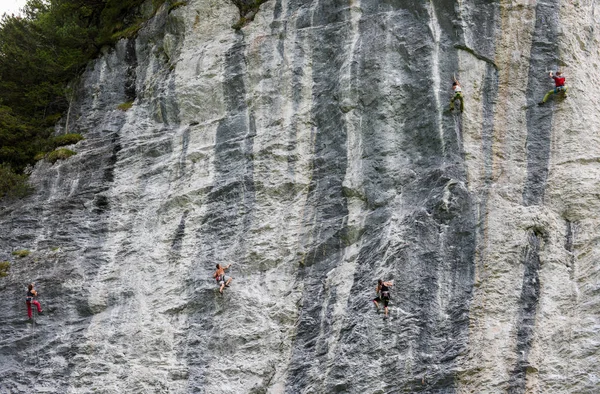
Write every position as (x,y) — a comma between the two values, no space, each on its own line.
(13,184)
(59,154)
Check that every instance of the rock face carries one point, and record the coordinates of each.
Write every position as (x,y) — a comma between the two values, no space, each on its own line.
(313,151)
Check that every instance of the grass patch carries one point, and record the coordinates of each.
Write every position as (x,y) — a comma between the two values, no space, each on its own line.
(125,106)
(67,139)
(59,154)
(40,156)
(21,253)
(58,141)
(4,267)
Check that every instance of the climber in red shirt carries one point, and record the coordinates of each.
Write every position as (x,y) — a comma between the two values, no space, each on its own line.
(559,81)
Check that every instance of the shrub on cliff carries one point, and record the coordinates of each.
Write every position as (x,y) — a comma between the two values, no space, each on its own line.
(125,106)
(12,184)
(4,267)
(66,139)
(59,154)
(21,253)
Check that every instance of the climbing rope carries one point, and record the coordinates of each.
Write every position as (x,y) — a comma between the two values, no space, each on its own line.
(33,317)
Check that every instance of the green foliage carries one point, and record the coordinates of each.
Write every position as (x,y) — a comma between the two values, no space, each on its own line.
(66,139)
(129,32)
(4,267)
(21,253)
(177,4)
(125,106)
(59,154)
(115,16)
(40,52)
(13,185)
(40,156)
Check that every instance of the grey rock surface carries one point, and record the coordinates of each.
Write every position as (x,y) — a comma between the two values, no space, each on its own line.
(314,152)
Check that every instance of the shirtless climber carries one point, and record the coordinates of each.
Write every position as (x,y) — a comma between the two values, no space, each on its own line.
(220,277)
(383,294)
(456,95)
(559,82)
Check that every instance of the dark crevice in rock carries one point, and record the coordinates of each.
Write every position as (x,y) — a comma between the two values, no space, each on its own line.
(544,53)
(130,79)
(248,10)
(528,306)
(185,142)
(477,55)
(569,237)
(109,169)
(569,240)
(179,234)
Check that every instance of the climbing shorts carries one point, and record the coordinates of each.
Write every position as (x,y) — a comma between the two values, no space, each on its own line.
(559,89)
(224,279)
(385,300)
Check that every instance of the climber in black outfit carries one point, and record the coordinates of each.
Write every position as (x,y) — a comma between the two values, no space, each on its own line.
(383,294)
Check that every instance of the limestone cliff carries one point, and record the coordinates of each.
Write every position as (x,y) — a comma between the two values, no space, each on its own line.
(313,150)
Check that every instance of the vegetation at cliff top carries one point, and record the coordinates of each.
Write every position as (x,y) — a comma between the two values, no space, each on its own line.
(40,52)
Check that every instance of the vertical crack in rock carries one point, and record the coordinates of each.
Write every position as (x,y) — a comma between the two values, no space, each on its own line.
(490,95)
(280,28)
(528,305)
(326,204)
(477,27)
(544,57)
(230,204)
(185,142)
(483,28)
(130,80)
(569,240)
(109,170)
(178,238)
